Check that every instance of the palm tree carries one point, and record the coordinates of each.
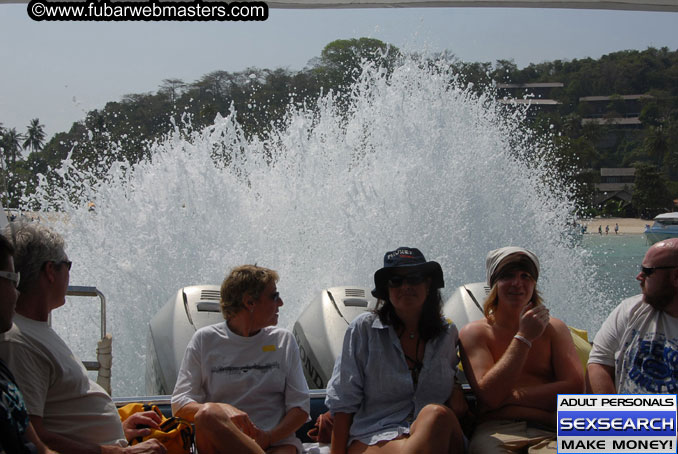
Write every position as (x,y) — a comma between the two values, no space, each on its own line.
(10,142)
(656,144)
(35,136)
(172,88)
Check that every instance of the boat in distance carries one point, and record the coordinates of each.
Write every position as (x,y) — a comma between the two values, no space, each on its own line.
(665,226)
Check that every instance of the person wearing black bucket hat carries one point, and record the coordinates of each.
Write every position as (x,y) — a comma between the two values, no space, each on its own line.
(517,359)
(393,385)
(411,261)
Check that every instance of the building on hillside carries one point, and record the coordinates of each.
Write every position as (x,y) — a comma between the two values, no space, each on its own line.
(538,96)
(616,186)
(622,123)
(620,111)
(617,115)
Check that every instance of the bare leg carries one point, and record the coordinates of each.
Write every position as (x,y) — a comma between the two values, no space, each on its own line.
(435,431)
(215,433)
(384,447)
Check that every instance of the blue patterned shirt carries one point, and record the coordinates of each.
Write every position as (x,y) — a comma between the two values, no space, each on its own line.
(371,379)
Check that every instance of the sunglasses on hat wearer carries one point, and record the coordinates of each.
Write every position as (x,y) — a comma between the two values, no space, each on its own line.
(396,281)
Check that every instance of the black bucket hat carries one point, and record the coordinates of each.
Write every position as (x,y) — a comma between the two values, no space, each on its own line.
(411,259)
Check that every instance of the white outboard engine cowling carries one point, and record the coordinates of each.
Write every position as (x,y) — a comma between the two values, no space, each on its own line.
(170,330)
(466,303)
(319,330)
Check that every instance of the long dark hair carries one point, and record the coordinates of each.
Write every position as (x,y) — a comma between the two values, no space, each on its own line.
(430,323)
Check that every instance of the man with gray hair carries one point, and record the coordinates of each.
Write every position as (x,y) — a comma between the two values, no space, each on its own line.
(17,435)
(70,413)
(636,349)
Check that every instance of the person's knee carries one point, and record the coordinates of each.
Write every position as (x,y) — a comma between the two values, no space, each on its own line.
(212,427)
(438,414)
(211,415)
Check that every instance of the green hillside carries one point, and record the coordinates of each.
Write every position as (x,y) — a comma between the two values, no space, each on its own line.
(588,133)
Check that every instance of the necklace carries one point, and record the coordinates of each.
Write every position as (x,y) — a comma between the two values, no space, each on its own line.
(416,364)
(411,334)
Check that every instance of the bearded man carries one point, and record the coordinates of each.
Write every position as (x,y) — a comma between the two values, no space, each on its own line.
(636,349)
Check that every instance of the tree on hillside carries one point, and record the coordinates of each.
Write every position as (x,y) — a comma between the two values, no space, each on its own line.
(650,192)
(656,144)
(506,71)
(340,60)
(10,142)
(477,75)
(671,158)
(54,151)
(216,83)
(124,128)
(35,136)
(172,88)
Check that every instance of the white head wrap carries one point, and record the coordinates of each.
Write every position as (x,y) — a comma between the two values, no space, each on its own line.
(494,259)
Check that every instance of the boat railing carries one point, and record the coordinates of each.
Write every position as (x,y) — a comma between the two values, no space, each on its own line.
(102,364)
(163,401)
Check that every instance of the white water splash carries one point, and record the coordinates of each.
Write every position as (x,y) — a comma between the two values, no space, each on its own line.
(418,162)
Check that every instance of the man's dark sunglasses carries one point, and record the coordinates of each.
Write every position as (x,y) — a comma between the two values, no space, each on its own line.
(648,271)
(68,263)
(411,279)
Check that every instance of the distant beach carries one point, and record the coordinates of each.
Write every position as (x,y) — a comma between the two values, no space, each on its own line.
(627,226)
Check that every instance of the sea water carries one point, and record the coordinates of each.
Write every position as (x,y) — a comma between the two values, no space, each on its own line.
(617,259)
(416,160)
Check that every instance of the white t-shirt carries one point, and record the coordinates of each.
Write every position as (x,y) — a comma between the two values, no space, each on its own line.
(261,375)
(56,387)
(641,343)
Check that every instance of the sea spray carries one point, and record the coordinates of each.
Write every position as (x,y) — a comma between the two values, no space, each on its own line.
(412,159)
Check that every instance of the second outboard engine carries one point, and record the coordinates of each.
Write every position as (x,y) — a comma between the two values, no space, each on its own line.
(319,330)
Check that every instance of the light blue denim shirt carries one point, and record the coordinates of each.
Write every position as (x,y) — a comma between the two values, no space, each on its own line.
(371,379)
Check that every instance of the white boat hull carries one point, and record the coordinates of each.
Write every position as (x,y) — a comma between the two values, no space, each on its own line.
(665,226)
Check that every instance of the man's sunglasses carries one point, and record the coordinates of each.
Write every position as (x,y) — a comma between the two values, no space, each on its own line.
(68,263)
(648,271)
(14,277)
(411,279)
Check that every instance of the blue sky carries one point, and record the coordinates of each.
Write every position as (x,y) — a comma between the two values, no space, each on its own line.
(58,71)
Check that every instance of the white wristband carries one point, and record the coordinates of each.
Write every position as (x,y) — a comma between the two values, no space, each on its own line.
(524,340)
